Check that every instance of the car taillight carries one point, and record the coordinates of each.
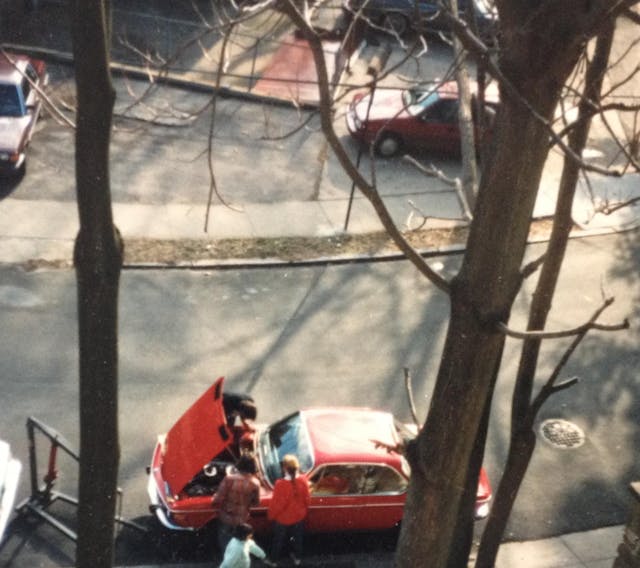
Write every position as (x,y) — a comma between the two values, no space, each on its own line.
(10,156)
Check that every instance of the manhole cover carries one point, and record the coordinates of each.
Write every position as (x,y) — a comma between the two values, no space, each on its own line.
(562,433)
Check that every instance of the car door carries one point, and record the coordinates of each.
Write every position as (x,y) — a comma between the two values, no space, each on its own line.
(355,497)
(438,127)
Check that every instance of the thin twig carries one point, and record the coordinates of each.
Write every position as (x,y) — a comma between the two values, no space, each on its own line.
(409,390)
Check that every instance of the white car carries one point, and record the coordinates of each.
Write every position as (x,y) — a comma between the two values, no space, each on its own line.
(9,476)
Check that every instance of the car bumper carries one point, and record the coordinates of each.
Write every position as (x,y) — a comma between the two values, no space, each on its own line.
(11,163)
(158,508)
(355,129)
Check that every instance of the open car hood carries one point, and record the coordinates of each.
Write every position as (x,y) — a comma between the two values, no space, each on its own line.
(198,436)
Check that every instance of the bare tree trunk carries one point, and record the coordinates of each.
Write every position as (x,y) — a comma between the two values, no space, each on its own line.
(538,52)
(98,260)
(463,534)
(523,439)
(482,294)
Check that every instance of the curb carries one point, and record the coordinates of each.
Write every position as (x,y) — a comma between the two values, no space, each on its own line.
(239,264)
(274,262)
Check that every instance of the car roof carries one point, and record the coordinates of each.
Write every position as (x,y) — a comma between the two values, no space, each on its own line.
(10,73)
(449,90)
(346,435)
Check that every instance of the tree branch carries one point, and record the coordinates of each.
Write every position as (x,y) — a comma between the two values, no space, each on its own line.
(550,387)
(213,186)
(369,191)
(409,391)
(576,331)
(432,171)
(533,266)
(482,54)
(631,15)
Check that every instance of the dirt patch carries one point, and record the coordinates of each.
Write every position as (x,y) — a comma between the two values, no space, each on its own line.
(286,248)
(185,251)
(296,248)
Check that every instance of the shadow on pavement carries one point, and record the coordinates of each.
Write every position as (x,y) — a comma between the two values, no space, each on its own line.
(8,184)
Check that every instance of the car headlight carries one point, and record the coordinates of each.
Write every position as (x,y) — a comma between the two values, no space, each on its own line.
(4,156)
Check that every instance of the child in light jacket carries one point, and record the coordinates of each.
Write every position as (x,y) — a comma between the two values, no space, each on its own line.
(240,547)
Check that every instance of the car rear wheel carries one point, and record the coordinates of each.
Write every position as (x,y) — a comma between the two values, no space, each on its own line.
(388,145)
(395,23)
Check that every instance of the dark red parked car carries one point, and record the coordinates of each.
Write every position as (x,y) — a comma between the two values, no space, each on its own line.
(425,119)
(356,484)
(20,79)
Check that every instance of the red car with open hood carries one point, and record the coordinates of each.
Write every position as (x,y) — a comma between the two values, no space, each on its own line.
(355,483)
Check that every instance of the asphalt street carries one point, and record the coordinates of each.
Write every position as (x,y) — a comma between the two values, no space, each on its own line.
(310,336)
(293,337)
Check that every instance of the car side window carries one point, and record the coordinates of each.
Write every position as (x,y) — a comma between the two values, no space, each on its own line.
(10,101)
(30,79)
(31,73)
(357,479)
(26,88)
(331,480)
(390,481)
(444,111)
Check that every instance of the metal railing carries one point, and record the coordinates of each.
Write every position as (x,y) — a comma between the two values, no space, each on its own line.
(43,496)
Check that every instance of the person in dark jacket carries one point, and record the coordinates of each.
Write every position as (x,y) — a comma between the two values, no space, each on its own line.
(240,412)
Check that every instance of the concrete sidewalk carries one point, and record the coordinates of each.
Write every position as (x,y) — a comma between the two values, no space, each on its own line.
(591,549)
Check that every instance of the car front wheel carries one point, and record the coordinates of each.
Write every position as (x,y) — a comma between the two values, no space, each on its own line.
(388,145)
(395,23)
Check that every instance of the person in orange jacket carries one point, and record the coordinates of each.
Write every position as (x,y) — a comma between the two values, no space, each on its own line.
(288,509)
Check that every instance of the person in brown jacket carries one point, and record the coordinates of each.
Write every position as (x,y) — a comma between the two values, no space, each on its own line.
(237,493)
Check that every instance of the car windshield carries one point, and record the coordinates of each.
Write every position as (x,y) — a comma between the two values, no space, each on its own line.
(10,100)
(288,436)
(415,100)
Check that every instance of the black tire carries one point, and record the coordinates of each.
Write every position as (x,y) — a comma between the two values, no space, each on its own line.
(395,23)
(388,145)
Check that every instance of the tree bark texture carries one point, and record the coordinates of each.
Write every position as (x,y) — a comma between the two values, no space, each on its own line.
(98,260)
(465,120)
(539,49)
(523,439)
